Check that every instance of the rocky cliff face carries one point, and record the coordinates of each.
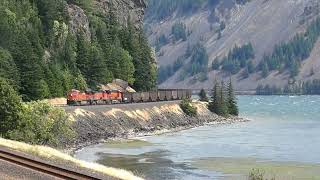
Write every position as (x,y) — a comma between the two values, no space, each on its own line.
(264,23)
(124,10)
(78,21)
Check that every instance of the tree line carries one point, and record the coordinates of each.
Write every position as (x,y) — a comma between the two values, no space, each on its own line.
(237,59)
(311,87)
(42,58)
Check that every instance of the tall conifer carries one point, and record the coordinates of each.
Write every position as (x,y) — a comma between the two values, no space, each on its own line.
(231,101)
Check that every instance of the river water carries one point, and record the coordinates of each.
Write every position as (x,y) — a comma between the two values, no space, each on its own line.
(282,139)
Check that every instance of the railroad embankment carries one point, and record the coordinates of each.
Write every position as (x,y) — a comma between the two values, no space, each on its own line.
(95,124)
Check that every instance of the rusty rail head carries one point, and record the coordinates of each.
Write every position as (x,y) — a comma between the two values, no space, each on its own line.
(42,167)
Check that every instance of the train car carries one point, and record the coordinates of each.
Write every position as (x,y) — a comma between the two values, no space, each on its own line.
(189,94)
(153,95)
(180,94)
(184,94)
(145,96)
(174,95)
(168,95)
(161,95)
(136,97)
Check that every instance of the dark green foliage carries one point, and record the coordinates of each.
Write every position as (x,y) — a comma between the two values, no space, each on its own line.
(238,58)
(242,1)
(10,108)
(162,40)
(218,102)
(231,101)
(268,90)
(42,59)
(158,10)
(250,67)
(311,87)
(288,56)
(187,108)
(36,122)
(222,26)
(199,61)
(216,64)
(43,124)
(179,31)
(8,68)
(265,70)
(203,96)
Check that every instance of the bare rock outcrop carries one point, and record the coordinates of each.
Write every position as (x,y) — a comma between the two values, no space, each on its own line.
(123,9)
(79,22)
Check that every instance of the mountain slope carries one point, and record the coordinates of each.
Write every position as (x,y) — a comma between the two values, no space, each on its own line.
(263,23)
(48,47)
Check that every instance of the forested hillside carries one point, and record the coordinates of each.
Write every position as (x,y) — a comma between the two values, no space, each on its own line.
(48,47)
(255,42)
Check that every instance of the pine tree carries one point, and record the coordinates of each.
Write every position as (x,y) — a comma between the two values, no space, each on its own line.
(217,104)
(232,102)
(8,68)
(10,108)
(213,104)
(203,96)
(223,108)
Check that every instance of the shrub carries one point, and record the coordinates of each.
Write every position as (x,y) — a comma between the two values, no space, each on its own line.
(43,124)
(187,108)
(257,174)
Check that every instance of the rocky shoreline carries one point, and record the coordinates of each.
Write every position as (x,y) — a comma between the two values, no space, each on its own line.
(97,124)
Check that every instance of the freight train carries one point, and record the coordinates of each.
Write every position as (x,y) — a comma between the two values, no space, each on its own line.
(78,98)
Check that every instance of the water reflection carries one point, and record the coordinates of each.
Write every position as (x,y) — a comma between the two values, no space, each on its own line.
(150,165)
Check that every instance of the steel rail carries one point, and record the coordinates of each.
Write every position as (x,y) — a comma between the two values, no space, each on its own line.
(42,167)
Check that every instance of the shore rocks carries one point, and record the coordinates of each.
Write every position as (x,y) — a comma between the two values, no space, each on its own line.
(94,124)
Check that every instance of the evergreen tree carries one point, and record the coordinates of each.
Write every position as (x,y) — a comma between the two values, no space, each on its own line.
(232,102)
(203,96)
(10,108)
(217,103)
(223,108)
(8,68)
(214,103)
(265,70)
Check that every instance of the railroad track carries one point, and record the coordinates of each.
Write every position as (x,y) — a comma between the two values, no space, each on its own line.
(41,167)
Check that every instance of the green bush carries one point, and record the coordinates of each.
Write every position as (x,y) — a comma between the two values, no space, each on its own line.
(43,124)
(257,174)
(187,108)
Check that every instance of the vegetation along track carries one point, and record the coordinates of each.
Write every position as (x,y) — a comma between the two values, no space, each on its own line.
(42,167)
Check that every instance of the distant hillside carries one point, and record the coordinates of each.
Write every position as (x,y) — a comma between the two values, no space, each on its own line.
(256,42)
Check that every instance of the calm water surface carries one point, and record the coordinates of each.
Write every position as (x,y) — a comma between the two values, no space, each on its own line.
(282,138)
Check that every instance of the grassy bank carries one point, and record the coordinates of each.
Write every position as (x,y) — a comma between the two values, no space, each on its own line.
(55,155)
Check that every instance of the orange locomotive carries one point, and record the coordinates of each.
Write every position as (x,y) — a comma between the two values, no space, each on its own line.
(76,97)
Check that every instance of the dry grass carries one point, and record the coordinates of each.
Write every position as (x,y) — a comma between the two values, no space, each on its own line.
(50,153)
